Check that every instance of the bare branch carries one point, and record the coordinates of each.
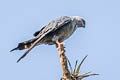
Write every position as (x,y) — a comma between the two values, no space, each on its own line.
(66,73)
(63,61)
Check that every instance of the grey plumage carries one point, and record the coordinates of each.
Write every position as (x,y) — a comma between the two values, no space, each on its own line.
(57,30)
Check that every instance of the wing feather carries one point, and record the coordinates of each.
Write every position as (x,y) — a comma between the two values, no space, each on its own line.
(52,26)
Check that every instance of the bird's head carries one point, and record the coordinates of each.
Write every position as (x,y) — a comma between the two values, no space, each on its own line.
(80,22)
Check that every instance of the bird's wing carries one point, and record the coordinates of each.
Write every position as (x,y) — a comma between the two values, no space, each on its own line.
(52,26)
(38,32)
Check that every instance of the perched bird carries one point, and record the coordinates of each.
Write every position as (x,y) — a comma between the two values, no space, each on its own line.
(53,33)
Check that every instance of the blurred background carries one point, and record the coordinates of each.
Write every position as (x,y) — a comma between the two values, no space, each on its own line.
(100,40)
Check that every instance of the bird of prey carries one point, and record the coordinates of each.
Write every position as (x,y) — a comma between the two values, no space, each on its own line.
(53,33)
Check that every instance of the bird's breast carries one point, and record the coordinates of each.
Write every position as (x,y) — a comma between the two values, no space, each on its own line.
(66,32)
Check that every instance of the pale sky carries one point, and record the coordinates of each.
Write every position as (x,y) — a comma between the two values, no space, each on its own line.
(19,19)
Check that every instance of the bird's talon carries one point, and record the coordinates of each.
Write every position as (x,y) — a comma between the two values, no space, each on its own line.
(59,45)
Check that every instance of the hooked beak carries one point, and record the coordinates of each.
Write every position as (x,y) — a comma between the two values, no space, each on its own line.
(83,23)
(83,26)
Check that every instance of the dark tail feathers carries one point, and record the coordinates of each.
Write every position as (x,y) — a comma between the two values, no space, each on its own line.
(24,45)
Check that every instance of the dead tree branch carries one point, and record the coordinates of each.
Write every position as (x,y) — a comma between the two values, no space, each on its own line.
(67,75)
(63,61)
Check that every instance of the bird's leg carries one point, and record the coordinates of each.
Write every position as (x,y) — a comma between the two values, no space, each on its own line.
(59,44)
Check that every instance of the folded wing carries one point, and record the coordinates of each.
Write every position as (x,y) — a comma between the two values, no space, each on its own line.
(51,27)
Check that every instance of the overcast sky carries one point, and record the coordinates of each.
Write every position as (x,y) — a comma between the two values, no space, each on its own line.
(19,19)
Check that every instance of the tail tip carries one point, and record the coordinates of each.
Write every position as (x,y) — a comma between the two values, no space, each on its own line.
(13,49)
